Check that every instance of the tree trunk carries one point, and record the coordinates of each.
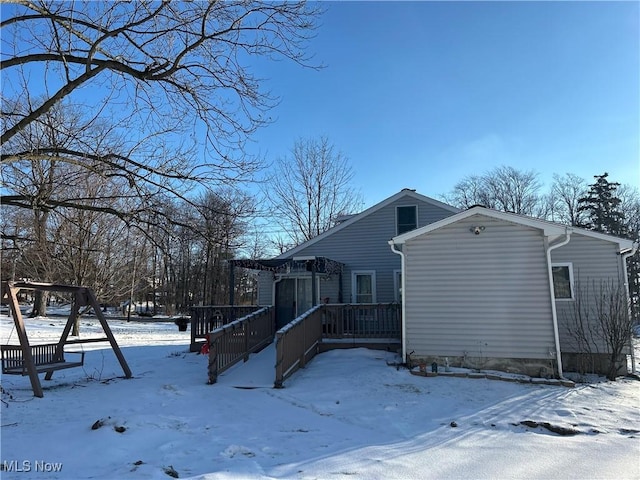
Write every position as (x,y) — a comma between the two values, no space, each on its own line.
(39,304)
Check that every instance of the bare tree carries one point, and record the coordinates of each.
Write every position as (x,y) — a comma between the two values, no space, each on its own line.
(612,310)
(223,224)
(168,79)
(579,323)
(470,191)
(503,188)
(599,322)
(45,186)
(15,228)
(310,189)
(513,190)
(566,190)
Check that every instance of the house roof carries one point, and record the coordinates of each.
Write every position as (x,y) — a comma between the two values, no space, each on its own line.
(550,229)
(284,265)
(349,220)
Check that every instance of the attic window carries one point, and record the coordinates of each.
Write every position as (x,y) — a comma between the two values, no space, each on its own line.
(406,219)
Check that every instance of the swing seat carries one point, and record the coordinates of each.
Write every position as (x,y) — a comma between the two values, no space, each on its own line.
(47,358)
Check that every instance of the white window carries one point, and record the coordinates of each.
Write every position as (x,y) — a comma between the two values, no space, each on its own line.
(406,219)
(363,286)
(562,280)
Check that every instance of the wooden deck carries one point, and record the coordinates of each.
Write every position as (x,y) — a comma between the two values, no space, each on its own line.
(324,327)
(330,326)
(205,319)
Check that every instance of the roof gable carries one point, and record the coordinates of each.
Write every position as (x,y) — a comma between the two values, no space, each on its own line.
(404,193)
(550,229)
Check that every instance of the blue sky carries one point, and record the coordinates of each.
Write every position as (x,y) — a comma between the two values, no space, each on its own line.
(421,94)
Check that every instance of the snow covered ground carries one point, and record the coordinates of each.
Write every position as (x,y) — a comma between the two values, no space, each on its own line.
(347,415)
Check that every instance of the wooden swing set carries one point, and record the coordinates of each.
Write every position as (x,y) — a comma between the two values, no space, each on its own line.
(31,360)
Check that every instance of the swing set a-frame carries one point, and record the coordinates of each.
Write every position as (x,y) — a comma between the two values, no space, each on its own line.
(31,360)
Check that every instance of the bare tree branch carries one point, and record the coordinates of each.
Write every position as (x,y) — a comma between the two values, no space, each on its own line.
(158,71)
(311,188)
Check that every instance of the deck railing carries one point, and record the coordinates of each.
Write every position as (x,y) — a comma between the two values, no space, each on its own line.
(364,320)
(235,341)
(297,343)
(208,318)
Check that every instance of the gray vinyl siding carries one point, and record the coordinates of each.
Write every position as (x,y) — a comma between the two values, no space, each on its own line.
(363,245)
(329,287)
(265,288)
(481,295)
(593,260)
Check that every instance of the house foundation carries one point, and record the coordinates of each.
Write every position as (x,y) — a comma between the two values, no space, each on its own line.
(532,367)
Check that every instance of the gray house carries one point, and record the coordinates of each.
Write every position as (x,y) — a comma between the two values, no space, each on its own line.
(351,262)
(495,290)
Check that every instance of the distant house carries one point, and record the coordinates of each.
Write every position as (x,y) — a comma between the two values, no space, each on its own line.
(351,262)
(496,290)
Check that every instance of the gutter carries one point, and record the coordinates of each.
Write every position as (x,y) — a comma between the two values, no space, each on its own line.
(626,254)
(402,283)
(554,313)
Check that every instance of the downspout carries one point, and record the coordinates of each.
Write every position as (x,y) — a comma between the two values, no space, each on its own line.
(554,313)
(314,286)
(276,279)
(626,255)
(404,292)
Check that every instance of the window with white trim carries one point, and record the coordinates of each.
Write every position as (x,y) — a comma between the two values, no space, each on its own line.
(562,280)
(363,286)
(406,219)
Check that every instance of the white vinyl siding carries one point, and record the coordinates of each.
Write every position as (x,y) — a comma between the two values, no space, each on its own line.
(478,295)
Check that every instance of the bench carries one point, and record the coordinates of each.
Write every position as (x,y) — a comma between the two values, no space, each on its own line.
(46,358)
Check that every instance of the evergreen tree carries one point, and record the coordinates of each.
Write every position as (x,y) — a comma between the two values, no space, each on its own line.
(605,212)
(602,207)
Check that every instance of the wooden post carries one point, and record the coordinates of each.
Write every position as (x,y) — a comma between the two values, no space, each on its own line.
(79,300)
(24,341)
(246,328)
(303,343)
(213,361)
(107,330)
(192,345)
(272,313)
(279,362)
